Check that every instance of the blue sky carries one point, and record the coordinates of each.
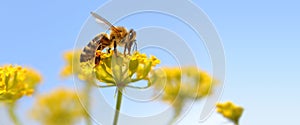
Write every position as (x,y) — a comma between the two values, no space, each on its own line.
(260,38)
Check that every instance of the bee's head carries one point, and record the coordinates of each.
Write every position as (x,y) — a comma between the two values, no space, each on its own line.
(129,38)
(132,35)
(132,39)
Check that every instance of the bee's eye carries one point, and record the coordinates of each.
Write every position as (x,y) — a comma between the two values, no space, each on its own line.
(131,32)
(113,37)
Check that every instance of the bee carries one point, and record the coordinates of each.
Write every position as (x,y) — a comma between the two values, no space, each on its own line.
(119,36)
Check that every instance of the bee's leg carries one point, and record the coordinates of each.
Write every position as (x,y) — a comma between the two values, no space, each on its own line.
(129,48)
(98,55)
(109,50)
(115,48)
(126,45)
(97,60)
(135,46)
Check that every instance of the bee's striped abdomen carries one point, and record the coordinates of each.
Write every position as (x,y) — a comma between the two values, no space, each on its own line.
(89,51)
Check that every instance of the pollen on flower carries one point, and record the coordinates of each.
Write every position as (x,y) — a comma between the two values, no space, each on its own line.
(154,60)
(16,82)
(98,53)
(105,55)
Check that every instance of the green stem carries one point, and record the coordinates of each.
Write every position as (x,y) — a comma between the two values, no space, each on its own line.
(107,86)
(118,106)
(177,105)
(236,123)
(12,114)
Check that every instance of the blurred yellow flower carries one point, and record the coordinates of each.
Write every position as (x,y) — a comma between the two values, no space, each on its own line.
(230,111)
(60,107)
(181,84)
(187,82)
(15,82)
(73,66)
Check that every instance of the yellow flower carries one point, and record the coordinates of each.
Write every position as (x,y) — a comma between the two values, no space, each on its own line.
(154,60)
(60,107)
(15,82)
(111,69)
(122,69)
(230,111)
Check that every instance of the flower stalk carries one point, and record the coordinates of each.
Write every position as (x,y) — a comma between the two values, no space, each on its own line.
(118,105)
(12,114)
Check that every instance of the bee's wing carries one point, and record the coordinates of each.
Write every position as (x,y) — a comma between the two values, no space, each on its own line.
(102,20)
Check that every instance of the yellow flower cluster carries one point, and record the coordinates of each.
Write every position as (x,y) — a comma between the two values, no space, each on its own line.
(230,111)
(187,82)
(15,82)
(122,69)
(112,69)
(60,107)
